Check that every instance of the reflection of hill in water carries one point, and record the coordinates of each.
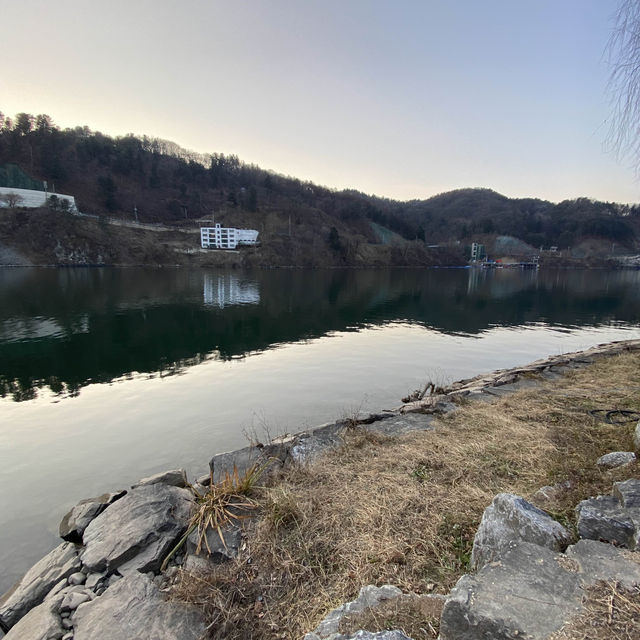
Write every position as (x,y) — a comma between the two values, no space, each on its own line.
(94,325)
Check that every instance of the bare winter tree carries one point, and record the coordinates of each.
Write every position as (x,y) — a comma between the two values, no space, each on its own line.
(11,199)
(623,56)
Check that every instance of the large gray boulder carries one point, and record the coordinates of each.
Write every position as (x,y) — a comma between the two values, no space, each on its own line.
(29,592)
(526,594)
(137,531)
(173,477)
(41,623)
(604,518)
(78,518)
(531,592)
(509,520)
(310,445)
(134,609)
(265,458)
(628,493)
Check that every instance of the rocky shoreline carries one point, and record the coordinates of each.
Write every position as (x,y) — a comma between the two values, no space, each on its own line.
(106,579)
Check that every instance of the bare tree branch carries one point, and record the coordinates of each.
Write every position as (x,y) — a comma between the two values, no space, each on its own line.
(11,199)
(623,57)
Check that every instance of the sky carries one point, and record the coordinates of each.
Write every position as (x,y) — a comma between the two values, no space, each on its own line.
(399,98)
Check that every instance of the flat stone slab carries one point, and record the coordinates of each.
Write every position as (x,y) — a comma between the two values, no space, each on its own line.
(173,478)
(602,561)
(29,592)
(308,446)
(265,457)
(41,623)
(616,459)
(509,520)
(137,530)
(78,518)
(400,424)
(134,608)
(528,593)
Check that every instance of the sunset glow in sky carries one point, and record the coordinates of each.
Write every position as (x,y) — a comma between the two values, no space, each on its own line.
(404,99)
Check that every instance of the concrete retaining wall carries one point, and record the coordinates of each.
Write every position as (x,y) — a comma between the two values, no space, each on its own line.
(34,199)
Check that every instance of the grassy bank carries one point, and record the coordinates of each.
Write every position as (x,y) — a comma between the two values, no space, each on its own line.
(404,510)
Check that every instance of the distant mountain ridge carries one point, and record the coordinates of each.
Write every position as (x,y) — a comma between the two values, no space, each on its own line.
(300,223)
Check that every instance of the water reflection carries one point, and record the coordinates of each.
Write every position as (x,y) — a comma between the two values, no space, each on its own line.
(23,329)
(226,289)
(64,329)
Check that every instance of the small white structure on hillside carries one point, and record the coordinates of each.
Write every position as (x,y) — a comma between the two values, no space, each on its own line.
(220,237)
(33,199)
(477,252)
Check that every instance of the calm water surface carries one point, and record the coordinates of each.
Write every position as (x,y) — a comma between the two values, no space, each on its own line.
(107,375)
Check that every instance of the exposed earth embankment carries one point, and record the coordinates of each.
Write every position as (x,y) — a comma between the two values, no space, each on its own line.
(42,237)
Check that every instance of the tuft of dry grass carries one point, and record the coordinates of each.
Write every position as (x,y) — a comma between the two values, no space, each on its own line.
(418,617)
(611,612)
(405,510)
(222,503)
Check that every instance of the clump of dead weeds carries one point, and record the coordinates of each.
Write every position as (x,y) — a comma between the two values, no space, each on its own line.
(223,503)
(405,510)
(611,612)
(418,617)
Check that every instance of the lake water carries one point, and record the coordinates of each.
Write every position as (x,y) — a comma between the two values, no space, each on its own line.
(108,375)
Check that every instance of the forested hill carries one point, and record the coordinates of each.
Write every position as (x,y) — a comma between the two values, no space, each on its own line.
(300,222)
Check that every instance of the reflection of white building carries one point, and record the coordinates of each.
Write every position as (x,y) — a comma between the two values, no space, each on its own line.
(225,289)
(219,237)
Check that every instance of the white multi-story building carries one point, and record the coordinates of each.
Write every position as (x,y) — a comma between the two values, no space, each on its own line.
(477,252)
(219,237)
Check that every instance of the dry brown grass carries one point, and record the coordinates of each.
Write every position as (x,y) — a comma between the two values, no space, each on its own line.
(405,510)
(221,505)
(611,612)
(418,617)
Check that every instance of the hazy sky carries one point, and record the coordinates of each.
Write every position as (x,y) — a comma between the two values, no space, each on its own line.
(401,98)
